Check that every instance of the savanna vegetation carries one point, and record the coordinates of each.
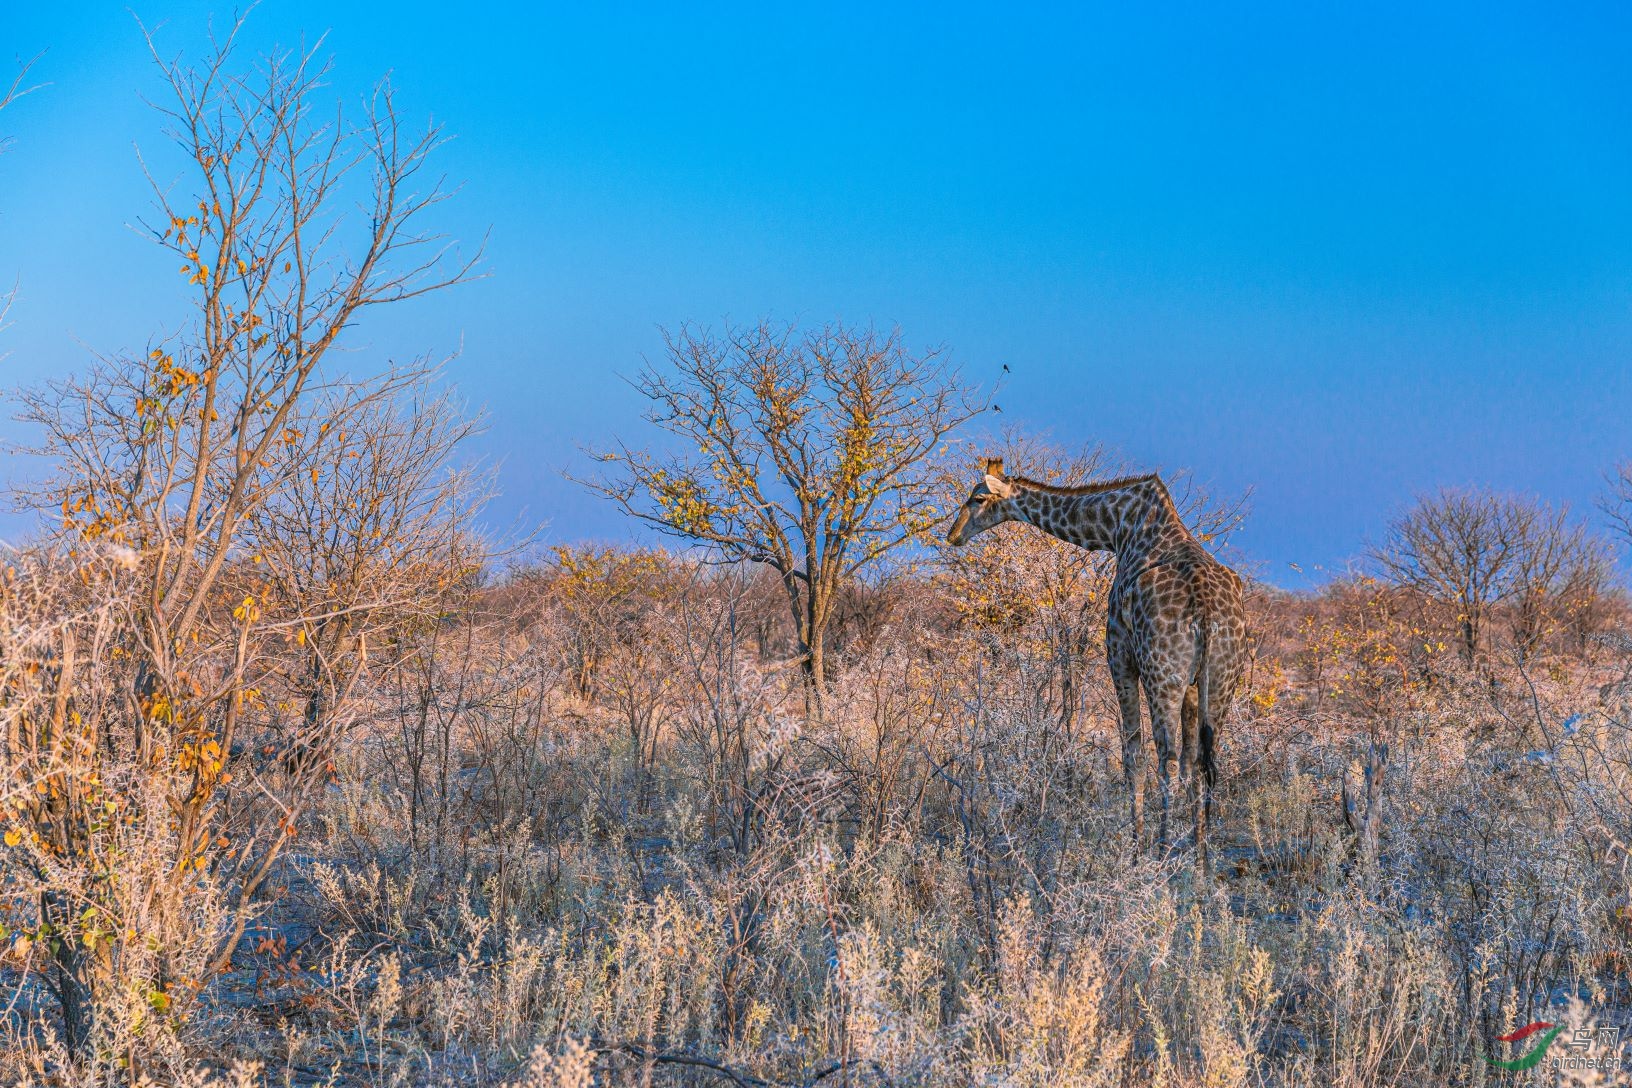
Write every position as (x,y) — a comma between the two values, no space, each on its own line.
(306,779)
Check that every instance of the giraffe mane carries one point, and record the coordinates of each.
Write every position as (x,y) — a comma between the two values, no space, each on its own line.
(1095,487)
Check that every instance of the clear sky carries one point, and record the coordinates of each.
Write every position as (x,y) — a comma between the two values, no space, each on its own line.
(1337,258)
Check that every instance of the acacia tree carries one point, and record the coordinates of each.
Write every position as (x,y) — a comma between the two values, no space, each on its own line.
(807,451)
(253,499)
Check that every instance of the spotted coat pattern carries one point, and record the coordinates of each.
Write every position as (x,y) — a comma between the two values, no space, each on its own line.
(1175,627)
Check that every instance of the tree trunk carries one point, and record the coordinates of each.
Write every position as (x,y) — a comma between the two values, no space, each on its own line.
(815,676)
(811,611)
(1470,635)
(1363,803)
(70,983)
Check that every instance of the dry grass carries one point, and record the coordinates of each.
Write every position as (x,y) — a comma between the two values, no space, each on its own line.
(515,880)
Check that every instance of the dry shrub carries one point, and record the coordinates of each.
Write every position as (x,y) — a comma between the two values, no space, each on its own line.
(934,885)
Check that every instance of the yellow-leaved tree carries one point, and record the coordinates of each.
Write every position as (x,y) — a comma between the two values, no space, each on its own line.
(809,451)
(236,521)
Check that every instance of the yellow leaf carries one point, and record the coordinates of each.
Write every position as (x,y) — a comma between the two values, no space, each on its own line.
(13,837)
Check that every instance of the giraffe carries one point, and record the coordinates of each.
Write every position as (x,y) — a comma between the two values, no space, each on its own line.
(1175,625)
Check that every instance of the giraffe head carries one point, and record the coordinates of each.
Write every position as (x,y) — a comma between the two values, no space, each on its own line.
(989,504)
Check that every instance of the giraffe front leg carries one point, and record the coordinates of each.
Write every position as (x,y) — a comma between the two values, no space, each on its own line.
(1127,696)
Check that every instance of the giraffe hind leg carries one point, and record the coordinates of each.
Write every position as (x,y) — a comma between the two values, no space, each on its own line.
(1189,756)
(1189,713)
(1216,689)
(1166,705)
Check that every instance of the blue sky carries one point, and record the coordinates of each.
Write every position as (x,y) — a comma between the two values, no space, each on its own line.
(1337,258)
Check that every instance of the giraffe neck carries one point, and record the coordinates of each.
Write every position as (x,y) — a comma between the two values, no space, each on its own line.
(1125,520)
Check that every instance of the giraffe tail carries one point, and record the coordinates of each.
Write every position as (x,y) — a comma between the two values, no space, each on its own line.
(1206,728)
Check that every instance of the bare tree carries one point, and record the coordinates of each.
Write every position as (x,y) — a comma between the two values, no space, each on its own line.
(616,618)
(366,539)
(256,495)
(1458,548)
(1048,600)
(16,89)
(1559,572)
(808,452)
(1472,551)
(1616,502)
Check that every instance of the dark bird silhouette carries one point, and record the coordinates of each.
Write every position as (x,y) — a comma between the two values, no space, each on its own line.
(997,407)
(1005,368)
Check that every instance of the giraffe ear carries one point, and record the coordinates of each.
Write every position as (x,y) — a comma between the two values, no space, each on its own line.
(997,486)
